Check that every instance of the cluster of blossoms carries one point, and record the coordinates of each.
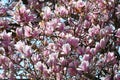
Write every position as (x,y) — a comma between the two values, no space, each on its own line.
(60,40)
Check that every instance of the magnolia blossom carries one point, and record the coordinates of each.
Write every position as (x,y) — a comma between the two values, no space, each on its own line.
(19,31)
(60,40)
(47,13)
(103,43)
(66,48)
(86,57)
(62,11)
(72,71)
(56,69)
(3,11)
(6,38)
(73,41)
(94,30)
(22,14)
(110,56)
(19,46)
(27,50)
(118,33)
(108,77)
(117,76)
(28,31)
(2,59)
(40,66)
(79,5)
(35,58)
(84,66)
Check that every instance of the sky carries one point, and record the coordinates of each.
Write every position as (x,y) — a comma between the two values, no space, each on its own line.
(4,1)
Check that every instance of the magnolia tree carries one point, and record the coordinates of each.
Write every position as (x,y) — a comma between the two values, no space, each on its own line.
(60,40)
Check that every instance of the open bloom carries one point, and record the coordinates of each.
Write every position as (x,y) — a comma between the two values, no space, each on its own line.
(84,66)
(6,37)
(66,48)
(62,11)
(27,51)
(40,66)
(110,56)
(28,31)
(19,31)
(22,14)
(94,30)
(19,46)
(47,13)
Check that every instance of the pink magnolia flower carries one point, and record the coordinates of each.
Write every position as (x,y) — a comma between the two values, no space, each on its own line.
(49,30)
(19,31)
(51,26)
(47,13)
(74,64)
(2,76)
(110,56)
(109,29)
(63,61)
(3,11)
(27,51)
(46,53)
(52,46)
(108,77)
(118,33)
(93,51)
(84,66)
(80,50)
(35,58)
(87,50)
(6,38)
(46,73)
(56,69)
(11,65)
(28,31)
(19,46)
(40,66)
(62,11)
(2,59)
(102,32)
(59,76)
(103,43)
(97,46)
(86,24)
(73,41)
(86,57)
(79,4)
(4,24)
(36,32)
(22,14)
(117,76)
(94,30)
(60,26)
(52,59)
(66,48)
(72,71)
